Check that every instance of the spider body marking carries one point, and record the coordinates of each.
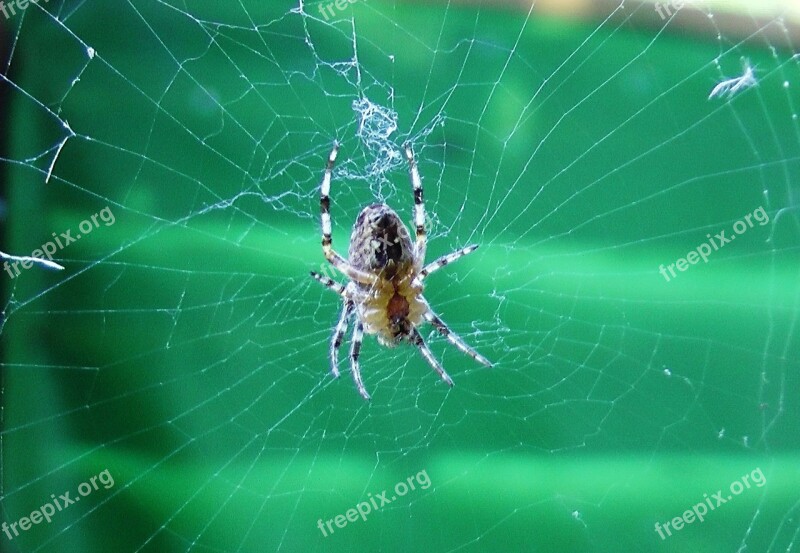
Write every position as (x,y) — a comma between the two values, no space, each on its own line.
(386,270)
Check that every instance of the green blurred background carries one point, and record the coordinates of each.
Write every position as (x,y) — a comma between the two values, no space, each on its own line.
(184,347)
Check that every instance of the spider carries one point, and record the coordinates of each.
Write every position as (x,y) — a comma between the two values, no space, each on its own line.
(385,272)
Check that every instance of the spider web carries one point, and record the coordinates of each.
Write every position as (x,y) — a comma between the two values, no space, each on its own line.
(184,348)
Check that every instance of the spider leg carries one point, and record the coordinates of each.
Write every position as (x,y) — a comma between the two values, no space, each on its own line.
(417,340)
(327,243)
(355,351)
(338,336)
(454,339)
(445,260)
(419,207)
(329,283)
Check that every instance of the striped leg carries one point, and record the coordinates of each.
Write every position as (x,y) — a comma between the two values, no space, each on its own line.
(445,260)
(327,243)
(329,283)
(338,336)
(417,340)
(355,352)
(419,207)
(454,339)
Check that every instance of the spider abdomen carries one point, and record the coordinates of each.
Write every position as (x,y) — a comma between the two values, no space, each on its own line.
(380,242)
